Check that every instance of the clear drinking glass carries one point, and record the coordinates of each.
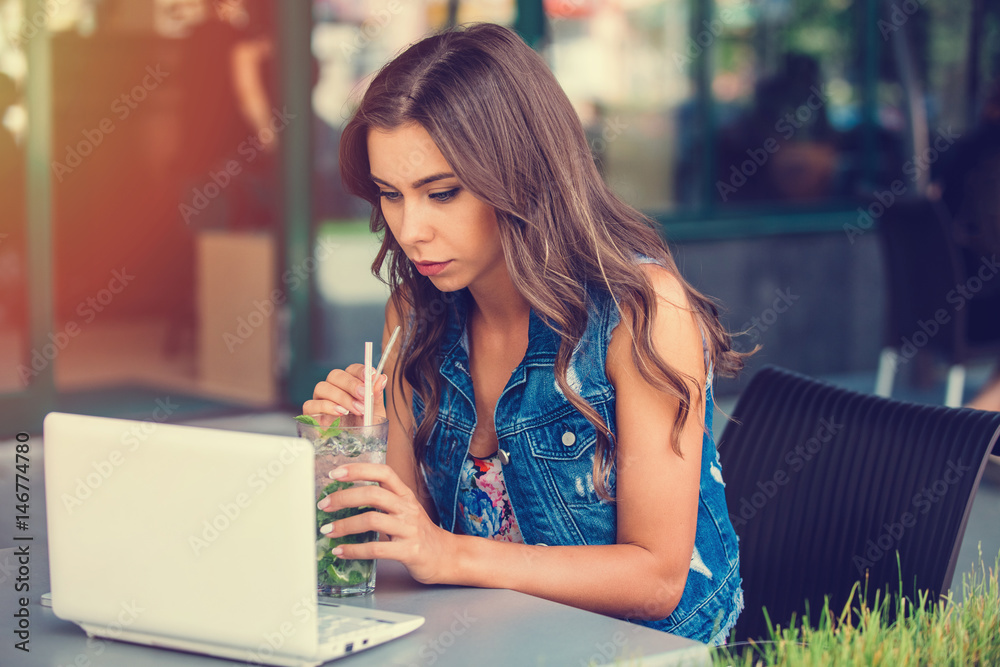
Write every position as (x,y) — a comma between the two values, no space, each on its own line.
(336,441)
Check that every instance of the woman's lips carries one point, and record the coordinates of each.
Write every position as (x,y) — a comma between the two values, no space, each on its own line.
(431,268)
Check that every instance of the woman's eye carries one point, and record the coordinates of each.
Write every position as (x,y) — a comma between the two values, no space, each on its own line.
(388,195)
(445,196)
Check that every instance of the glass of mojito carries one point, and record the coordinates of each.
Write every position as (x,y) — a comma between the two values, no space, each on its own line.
(336,441)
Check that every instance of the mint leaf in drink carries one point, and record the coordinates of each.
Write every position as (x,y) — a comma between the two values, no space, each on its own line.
(332,570)
(333,430)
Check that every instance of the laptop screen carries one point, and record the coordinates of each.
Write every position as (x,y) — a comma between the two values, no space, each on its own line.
(182,531)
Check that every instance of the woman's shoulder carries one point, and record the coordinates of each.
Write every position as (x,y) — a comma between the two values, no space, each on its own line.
(673,322)
(667,286)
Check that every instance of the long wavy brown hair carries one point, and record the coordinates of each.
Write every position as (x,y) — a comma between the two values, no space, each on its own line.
(511,136)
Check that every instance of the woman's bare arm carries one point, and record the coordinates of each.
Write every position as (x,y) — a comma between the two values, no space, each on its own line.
(641,576)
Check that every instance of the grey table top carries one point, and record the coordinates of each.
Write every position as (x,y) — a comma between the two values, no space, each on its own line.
(464,626)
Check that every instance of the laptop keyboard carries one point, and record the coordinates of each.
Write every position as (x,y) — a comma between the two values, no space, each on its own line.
(335,630)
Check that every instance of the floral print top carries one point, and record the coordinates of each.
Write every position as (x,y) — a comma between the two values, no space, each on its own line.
(484,508)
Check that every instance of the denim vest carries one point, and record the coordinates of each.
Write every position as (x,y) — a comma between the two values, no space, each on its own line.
(551,452)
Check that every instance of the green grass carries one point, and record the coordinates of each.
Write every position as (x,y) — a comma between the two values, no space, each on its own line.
(934,633)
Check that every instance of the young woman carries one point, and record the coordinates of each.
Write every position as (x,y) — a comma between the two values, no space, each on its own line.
(550,406)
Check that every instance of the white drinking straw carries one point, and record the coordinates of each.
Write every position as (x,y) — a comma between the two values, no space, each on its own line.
(385,352)
(368,384)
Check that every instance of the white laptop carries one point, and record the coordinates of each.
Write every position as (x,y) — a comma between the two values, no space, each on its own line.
(194,539)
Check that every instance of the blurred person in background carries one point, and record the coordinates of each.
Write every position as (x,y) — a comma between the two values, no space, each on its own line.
(225,111)
(970,190)
(227,93)
(786,137)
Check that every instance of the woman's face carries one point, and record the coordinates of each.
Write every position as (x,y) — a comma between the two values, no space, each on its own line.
(451,236)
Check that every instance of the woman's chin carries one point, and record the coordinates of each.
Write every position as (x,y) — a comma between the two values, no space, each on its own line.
(446,285)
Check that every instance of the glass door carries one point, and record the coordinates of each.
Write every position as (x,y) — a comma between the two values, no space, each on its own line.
(139,279)
(27,350)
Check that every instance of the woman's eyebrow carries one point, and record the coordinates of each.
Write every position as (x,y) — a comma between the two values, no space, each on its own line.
(418,183)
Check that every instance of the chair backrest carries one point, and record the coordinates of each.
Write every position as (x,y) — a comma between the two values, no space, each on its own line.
(922,267)
(824,485)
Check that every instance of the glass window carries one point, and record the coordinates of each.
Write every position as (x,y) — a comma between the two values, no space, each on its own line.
(625,69)
(787,89)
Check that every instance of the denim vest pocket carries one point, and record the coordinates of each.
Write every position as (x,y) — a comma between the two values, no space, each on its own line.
(562,448)
(563,445)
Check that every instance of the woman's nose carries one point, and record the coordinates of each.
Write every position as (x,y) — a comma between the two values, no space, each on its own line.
(415,225)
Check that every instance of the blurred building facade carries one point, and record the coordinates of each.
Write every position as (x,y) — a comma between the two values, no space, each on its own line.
(173,137)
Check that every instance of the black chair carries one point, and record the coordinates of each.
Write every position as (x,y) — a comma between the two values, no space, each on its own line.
(825,484)
(937,303)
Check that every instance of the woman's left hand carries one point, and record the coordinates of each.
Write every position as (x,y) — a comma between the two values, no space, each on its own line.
(414,540)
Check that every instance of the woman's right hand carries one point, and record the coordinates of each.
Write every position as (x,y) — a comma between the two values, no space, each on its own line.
(343,392)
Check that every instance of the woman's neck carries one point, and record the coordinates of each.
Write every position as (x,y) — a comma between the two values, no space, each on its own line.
(499,307)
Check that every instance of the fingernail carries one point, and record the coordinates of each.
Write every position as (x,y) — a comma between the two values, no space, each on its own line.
(383,381)
(342,410)
(360,390)
(337,551)
(326,529)
(359,406)
(338,473)
(323,504)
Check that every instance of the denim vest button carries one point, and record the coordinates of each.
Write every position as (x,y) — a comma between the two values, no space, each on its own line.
(504,456)
(568,438)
